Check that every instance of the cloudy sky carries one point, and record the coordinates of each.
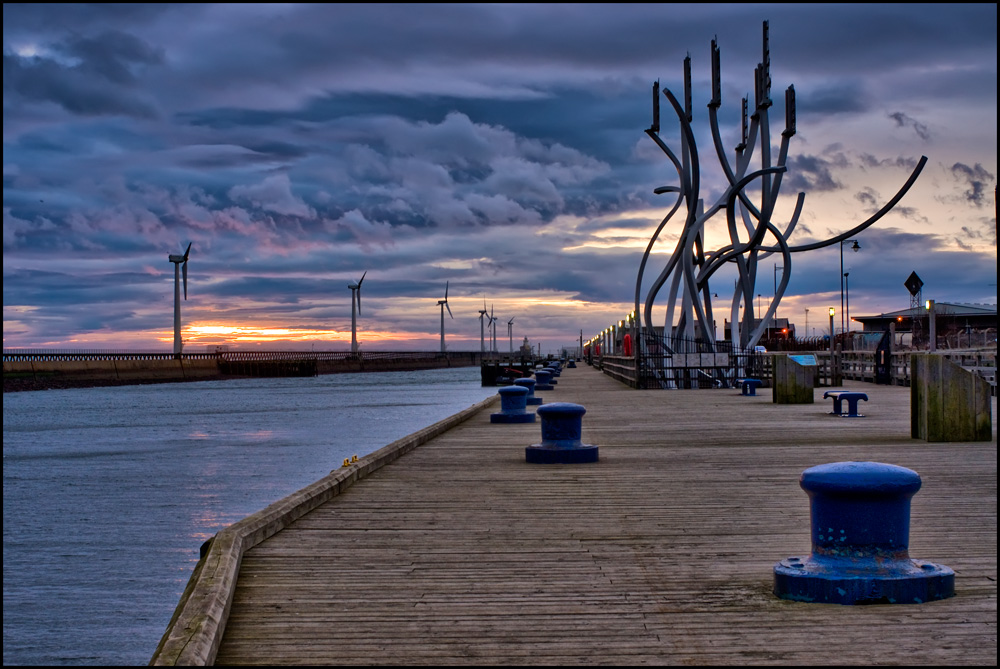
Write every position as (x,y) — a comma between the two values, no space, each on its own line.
(498,149)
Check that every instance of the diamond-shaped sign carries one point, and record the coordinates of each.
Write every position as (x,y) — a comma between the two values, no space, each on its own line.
(913,283)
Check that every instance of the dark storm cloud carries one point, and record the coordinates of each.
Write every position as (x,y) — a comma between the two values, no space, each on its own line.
(976,180)
(499,147)
(903,121)
(904,162)
(814,173)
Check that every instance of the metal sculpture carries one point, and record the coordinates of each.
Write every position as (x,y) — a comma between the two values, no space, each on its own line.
(690,265)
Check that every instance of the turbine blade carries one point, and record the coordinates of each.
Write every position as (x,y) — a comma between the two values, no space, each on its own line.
(359,296)
(449,310)
(188,250)
(446,293)
(186,277)
(362,278)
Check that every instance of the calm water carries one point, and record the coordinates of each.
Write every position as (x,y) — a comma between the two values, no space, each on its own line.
(108,493)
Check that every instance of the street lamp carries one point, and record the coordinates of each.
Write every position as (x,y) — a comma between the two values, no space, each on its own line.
(775,293)
(832,311)
(847,294)
(855,248)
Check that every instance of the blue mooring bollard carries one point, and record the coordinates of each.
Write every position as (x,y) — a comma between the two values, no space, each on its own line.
(543,379)
(562,425)
(530,385)
(512,403)
(860,515)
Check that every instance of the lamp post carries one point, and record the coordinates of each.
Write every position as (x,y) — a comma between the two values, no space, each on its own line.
(847,295)
(855,248)
(775,293)
(832,312)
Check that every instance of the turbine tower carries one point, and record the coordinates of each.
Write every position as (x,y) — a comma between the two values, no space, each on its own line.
(482,337)
(444,305)
(178,261)
(355,310)
(493,325)
(510,335)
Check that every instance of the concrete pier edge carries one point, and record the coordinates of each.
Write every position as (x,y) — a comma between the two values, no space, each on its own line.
(195,630)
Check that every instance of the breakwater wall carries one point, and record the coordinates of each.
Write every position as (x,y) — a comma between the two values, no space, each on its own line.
(39,370)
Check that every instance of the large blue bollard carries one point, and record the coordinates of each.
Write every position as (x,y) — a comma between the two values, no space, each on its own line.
(512,406)
(530,385)
(860,514)
(543,379)
(562,425)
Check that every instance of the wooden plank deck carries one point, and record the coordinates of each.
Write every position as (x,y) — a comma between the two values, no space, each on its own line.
(660,553)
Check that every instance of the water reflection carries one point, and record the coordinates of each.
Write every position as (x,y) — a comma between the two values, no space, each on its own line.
(109,493)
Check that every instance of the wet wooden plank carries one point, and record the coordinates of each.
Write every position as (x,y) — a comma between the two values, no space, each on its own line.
(660,553)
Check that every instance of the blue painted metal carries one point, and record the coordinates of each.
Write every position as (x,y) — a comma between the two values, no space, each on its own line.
(512,406)
(860,515)
(852,397)
(543,379)
(562,426)
(749,386)
(571,364)
(530,385)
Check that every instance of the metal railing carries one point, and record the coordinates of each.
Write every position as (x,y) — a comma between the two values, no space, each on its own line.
(661,365)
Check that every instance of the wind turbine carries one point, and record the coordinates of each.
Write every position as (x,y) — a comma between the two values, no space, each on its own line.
(482,338)
(178,261)
(355,310)
(493,324)
(510,334)
(444,305)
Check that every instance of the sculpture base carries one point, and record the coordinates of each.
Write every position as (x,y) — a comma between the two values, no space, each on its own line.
(533,401)
(546,455)
(904,582)
(512,418)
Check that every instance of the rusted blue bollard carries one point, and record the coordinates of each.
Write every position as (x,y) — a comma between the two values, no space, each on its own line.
(562,425)
(512,406)
(860,515)
(571,364)
(556,368)
(543,378)
(530,385)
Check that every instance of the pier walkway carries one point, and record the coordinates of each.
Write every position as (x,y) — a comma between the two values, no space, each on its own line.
(662,552)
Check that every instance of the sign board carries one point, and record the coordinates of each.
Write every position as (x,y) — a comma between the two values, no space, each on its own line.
(804,359)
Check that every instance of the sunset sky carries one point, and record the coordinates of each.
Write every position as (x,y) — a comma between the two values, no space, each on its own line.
(498,148)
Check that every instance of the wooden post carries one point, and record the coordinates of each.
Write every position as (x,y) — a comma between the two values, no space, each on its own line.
(794,379)
(948,403)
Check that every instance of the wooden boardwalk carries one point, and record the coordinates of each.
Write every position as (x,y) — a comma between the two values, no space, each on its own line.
(660,553)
